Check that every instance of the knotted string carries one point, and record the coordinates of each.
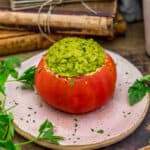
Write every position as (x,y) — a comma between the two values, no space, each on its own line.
(45,30)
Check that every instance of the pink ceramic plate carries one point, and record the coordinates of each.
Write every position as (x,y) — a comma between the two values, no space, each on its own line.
(116,120)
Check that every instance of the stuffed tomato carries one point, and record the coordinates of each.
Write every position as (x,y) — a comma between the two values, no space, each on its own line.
(76,76)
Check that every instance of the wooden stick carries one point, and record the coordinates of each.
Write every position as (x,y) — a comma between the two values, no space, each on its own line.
(5,34)
(119,28)
(93,32)
(23,43)
(103,25)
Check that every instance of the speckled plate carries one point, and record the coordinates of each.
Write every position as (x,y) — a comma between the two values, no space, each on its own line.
(116,120)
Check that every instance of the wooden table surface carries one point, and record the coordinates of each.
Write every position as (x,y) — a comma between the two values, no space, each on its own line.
(132,48)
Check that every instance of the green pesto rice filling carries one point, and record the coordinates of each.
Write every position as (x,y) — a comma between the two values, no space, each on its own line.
(74,56)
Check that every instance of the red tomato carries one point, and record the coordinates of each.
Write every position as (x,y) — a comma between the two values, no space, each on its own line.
(78,94)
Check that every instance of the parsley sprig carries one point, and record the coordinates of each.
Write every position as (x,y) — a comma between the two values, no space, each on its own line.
(7,68)
(139,89)
(46,130)
(28,78)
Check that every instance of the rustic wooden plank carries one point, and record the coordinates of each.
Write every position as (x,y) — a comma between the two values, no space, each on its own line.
(106,7)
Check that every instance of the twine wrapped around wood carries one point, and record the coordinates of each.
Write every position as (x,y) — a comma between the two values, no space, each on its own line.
(52,4)
(25,4)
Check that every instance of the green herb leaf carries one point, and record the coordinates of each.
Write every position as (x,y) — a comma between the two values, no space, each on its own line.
(17,147)
(101,131)
(46,133)
(72,83)
(6,69)
(2,89)
(10,133)
(28,78)
(12,62)
(138,90)
(145,78)
(8,145)
(3,77)
(1,109)
(6,126)
(45,125)
(14,74)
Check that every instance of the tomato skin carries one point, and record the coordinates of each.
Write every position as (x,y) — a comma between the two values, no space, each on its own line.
(88,93)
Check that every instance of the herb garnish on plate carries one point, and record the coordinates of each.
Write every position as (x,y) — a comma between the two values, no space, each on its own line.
(46,130)
(139,89)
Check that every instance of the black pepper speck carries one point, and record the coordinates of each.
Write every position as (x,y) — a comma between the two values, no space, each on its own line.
(16,103)
(17,87)
(75,119)
(76,125)
(29,115)
(92,130)
(75,130)
(74,141)
(41,105)
(30,108)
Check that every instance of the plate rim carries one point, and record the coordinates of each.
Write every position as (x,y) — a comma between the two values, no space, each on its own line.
(104,143)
